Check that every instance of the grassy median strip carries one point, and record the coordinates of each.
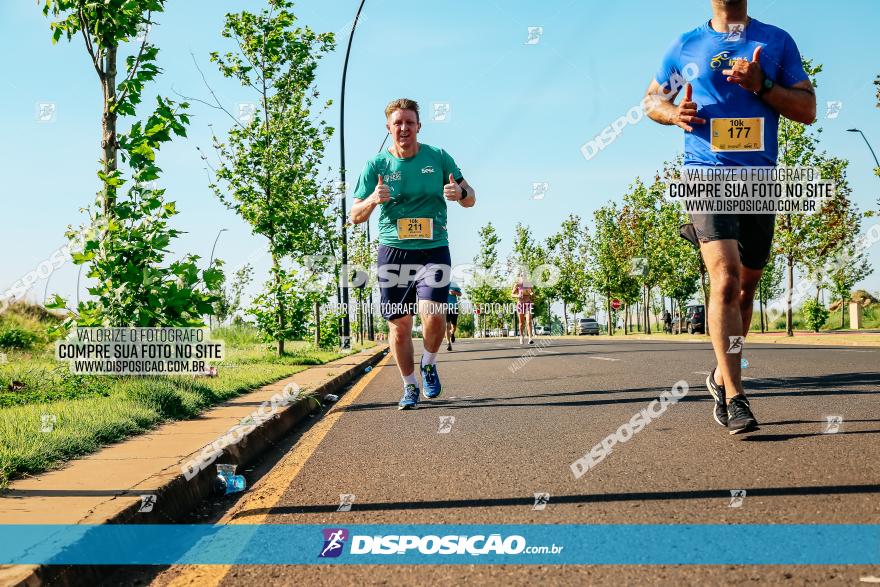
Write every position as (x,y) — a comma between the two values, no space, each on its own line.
(48,416)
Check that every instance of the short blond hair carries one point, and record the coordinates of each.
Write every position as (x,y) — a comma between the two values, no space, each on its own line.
(402,104)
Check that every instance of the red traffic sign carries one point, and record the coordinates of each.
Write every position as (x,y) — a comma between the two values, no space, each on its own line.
(615,304)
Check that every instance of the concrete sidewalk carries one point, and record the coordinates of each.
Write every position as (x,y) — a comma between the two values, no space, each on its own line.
(106,487)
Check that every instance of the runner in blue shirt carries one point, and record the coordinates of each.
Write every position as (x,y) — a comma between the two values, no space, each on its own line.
(735,72)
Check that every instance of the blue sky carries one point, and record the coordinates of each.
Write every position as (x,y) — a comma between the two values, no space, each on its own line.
(519,112)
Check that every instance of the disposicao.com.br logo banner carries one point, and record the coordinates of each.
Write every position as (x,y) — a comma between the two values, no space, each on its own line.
(414,544)
(433,543)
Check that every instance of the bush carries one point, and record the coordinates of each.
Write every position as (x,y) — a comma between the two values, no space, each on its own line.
(815,315)
(17,338)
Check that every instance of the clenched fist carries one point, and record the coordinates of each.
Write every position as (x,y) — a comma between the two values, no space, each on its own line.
(452,191)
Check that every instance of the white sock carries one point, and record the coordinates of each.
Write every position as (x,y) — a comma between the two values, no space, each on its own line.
(428,358)
(411,378)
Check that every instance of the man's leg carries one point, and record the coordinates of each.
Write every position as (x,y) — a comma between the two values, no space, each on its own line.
(433,327)
(722,258)
(433,324)
(400,338)
(748,283)
(725,314)
(530,327)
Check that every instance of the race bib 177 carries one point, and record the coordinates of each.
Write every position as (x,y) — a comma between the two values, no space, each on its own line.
(737,134)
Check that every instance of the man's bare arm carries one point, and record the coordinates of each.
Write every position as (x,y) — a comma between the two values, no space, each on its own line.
(660,107)
(461,192)
(797,103)
(361,209)
(468,196)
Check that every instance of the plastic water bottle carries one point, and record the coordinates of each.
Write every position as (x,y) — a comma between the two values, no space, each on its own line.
(227,481)
(744,363)
(368,369)
(235,484)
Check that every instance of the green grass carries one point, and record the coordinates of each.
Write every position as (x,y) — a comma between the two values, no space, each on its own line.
(93,411)
(870,320)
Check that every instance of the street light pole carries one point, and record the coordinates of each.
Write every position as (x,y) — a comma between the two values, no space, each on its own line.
(346,326)
(211,262)
(867,143)
(372,330)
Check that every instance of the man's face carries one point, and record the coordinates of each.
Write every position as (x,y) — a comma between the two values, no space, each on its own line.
(404,126)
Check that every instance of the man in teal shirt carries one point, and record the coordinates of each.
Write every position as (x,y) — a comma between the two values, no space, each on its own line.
(411,184)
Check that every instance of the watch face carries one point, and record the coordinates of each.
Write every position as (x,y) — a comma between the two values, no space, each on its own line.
(768,83)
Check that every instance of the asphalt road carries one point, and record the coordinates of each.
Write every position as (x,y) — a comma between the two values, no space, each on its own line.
(517,433)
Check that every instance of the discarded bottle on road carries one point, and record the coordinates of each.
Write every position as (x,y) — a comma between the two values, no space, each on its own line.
(331,397)
(368,369)
(227,481)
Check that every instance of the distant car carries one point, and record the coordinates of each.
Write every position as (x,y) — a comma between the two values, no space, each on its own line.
(694,320)
(542,330)
(585,326)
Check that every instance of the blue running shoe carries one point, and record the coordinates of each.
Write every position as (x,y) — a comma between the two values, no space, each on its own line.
(410,399)
(431,381)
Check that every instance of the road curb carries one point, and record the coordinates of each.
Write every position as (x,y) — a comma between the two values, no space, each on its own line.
(177,495)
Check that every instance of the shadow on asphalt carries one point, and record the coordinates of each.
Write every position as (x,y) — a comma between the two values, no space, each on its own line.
(825,385)
(783,437)
(575,499)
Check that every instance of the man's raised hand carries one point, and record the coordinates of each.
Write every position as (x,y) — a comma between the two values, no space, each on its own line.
(748,74)
(452,191)
(687,111)
(382,193)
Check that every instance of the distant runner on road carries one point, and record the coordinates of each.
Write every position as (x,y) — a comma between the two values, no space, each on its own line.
(523,292)
(747,74)
(411,184)
(452,313)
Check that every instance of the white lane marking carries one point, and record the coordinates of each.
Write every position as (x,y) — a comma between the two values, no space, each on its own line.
(870,579)
(603,358)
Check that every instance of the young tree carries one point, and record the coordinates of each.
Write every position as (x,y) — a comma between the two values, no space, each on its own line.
(126,241)
(485,288)
(807,240)
(105,27)
(769,287)
(229,302)
(569,253)
(610,265)
(269,165)
(851,266)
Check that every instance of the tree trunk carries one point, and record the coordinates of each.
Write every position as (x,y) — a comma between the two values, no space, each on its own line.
(638,313)
(761,307)
(788,295)
(842,313)
(608,314)
(317,324)
(705,296)
(110,150)
(565,317)
(279,304)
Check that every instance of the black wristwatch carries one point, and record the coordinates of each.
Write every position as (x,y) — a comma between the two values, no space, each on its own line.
(766,86)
